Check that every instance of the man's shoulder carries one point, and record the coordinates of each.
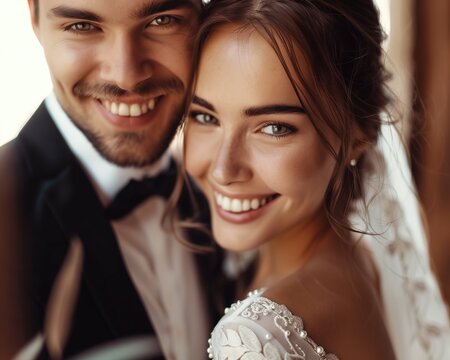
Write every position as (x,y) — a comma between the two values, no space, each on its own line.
(6,152)
(14,152)
(11,160)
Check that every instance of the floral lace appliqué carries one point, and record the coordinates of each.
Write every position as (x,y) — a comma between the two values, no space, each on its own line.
(244,334)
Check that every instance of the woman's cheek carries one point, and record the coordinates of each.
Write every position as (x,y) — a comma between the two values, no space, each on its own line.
(295,171)
(196,159)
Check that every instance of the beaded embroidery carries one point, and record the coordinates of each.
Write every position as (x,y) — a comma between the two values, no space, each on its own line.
(244,344)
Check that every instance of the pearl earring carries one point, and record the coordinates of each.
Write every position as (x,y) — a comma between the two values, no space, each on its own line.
(353,162)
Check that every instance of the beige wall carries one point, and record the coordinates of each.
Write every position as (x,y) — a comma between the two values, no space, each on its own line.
(23,71)
(432,140)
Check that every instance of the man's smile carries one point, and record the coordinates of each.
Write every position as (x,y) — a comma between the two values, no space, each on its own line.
(134,109)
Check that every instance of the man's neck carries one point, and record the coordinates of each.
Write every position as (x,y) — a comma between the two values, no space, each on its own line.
(107,178)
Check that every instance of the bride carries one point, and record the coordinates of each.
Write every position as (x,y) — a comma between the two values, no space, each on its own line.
(287,139)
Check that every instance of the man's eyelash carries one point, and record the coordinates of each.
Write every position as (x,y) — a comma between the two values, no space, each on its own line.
(72,28)
(174,21)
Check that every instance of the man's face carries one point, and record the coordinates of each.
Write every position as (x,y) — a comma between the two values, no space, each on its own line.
(120,70)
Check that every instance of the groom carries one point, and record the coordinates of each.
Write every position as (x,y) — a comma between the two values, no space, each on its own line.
(120,71)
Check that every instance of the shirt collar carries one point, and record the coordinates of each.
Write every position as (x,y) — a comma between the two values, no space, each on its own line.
(107,178)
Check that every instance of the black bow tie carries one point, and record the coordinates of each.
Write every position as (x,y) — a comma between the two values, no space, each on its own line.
(137,191)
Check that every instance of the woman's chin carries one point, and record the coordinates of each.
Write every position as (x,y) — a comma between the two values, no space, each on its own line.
(235,243)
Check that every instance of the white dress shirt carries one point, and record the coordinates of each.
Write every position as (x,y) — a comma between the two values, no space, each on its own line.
(163,271)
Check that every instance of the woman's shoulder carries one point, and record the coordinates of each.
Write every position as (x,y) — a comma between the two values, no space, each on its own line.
(259,328)
(329,306)
(336,296)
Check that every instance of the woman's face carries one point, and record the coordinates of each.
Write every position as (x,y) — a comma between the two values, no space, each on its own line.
(250,146)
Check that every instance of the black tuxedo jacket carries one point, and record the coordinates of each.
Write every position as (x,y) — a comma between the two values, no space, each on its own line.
(58,202)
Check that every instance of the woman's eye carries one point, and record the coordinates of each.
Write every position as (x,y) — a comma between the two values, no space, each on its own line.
(163,20)
(204,119)
(276,130)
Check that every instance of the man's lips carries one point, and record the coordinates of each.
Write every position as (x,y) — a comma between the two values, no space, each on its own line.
(130,109)
(129,115)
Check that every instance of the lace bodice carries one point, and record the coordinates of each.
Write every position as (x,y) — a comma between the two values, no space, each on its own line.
(257,329)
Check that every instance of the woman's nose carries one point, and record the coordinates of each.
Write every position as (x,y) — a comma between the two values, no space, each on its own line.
(230,164)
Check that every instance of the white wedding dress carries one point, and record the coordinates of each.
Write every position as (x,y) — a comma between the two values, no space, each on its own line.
(258,328)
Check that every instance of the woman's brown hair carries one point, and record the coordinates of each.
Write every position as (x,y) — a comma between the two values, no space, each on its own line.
(345,87)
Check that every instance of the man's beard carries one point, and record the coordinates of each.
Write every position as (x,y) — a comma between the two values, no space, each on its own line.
(126,149)
(130,149)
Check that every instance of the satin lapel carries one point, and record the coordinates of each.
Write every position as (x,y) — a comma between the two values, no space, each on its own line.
(73,202)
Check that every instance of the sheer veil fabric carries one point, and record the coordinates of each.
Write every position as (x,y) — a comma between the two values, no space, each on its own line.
(416,314)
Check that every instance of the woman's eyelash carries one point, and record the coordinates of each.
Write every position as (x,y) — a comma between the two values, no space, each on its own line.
(203,118)
(278,129)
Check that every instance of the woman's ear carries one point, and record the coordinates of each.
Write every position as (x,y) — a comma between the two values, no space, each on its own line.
(360,144)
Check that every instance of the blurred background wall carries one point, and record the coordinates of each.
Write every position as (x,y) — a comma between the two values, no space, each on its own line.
(23,71)
(430,142)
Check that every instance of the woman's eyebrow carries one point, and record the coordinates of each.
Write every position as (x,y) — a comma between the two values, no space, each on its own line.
(202,102)
(274,109)
(256,110)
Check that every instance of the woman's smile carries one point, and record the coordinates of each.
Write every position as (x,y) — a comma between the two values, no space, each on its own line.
(241,208)
(250,145)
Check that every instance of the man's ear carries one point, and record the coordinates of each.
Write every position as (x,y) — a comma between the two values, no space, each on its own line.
(34,17)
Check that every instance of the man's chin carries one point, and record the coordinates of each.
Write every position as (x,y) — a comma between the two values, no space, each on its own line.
(132,149)
(131,155)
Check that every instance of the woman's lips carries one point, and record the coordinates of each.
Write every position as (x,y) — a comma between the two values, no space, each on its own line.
(242,209)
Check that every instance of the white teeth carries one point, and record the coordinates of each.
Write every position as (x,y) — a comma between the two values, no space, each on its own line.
(236,205)
(254,204)
(114,108)
(124,109)
(239,205)
(226,203)
(133,110)
(246,205)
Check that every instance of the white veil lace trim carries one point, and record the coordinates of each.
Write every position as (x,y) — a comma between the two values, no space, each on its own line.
(416,315)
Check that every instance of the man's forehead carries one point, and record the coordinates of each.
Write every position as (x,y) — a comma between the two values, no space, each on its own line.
(121,3)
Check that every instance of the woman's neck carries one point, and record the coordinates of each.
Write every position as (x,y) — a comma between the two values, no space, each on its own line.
(290,251)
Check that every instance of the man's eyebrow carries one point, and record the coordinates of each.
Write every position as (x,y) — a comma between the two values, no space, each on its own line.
(274,109)
(202,102)
(155,7)
(73,13)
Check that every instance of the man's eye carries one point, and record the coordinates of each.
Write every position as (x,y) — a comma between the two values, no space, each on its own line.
(204,119)
(276,130)
(81,27)
(163,20)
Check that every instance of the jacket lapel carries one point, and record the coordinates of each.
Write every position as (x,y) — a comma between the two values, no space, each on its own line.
(66,190)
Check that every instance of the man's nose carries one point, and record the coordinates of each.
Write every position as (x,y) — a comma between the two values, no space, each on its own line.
(125,63)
